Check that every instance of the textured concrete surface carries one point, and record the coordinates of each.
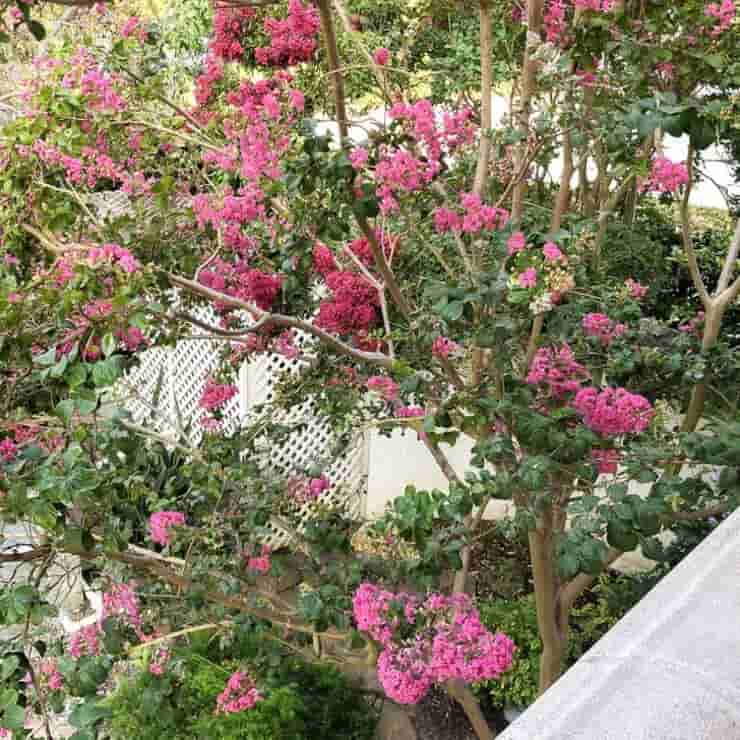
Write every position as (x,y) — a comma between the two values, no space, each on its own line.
(669,670)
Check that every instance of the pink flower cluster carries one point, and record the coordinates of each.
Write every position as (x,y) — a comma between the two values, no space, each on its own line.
(122,603)
(115,255)
(85,641)
(49,675)
(381,56)
(444,347)
(353,307)
(409,412)
(240,694)
(606,460)
(636,290)
(398,170)
(216,395)
(477,216)
(558,370)
(384,386)
(554,21)
(134,27)
(303,490)
(230,25)
(516,243)
(160,524)
(260,563)
(158,663)
(723,12)
(528,278)
(694,326)
(613,411)
(8,450)
(601,327)
(239,280)
(447,641)
(552,252)
(293,39)
(230,214)
(119,603)
(667,176)
(87,169)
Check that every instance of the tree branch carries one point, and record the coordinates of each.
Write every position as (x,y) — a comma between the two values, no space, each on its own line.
(688,244)
(729,267)
(571,590)
(486,88)
(374,358)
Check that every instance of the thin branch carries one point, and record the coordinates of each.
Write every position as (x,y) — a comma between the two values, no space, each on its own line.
(688,243)
(571,590)
(486,88)
(337,80)
(729,266)
(374,358)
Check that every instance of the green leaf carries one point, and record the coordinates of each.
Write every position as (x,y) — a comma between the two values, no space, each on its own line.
(105,373)
(76,376)
(8,666)
(88,713)
(65,409)
(38,31)
(619,536)
(13,717)
(109,344)
(452,311)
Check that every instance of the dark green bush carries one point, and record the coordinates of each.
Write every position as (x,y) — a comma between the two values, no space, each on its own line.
(518,619)
(301,700)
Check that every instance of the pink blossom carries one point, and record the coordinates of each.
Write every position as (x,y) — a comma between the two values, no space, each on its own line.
(381,56)
(8,450)
(121,602)
(409,412)
(285,345)
(551,252)
(86,641)
(667,176)
(516,242)
(293,39)
(636,290)
(557,370)
(695,326)
(239,695)
(317,486)
(160,524)
(358,157)
(601,327)
(723,12)
(454,644)
(613,411)
(606,460)
(444,347)
(216,396)
(528,279)
(386,387)
(261,563)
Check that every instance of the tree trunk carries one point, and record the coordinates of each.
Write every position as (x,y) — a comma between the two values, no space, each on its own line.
(466,699)
(396,723)
(552,620)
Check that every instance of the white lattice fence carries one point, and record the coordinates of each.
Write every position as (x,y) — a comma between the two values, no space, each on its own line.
(164,390)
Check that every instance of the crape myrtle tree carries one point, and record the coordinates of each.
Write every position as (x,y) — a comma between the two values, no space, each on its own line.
(428,277)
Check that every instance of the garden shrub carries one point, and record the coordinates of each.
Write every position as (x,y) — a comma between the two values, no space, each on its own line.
(518,619)
(301,701)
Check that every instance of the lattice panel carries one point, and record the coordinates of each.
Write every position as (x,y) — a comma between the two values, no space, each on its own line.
(311,445)
(180,372)
(164,390)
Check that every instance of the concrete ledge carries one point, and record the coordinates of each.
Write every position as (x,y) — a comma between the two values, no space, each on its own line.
(669,670)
